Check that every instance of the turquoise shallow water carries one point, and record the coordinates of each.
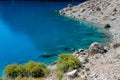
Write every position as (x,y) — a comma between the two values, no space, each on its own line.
(34,31)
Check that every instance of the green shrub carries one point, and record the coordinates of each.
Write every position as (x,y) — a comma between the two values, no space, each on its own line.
(20,70)
(66,62)
(10,70)
(36,69)
(33,69)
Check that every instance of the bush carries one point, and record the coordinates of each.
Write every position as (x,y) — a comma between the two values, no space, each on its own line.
(36,69)
(10,70)
(20,70)
(30,69)
(66,62)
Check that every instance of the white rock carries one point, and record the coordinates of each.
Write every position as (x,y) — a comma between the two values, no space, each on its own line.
(72,73)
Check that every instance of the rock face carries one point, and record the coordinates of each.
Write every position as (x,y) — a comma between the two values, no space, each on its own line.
(105,67)
(99,66)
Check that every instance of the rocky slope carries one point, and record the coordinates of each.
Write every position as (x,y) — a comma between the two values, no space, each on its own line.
(98,63)
(103,62)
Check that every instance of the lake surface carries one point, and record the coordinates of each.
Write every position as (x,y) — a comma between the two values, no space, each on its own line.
(35,31)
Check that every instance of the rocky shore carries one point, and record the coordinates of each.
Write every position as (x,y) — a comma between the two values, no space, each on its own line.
(98,62)
(105,13)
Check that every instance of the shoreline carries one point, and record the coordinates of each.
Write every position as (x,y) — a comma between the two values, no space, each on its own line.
(99,27)
(105,14)
(92,12)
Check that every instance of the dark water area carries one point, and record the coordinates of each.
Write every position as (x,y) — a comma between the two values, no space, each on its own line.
(35,31)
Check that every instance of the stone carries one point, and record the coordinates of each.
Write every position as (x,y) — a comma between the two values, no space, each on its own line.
(98,9)
(76,53)
(81,52)
(107,26)
(96,48)
(82,10)
(69,5)
(114,45)
(83,58)
(106,48)
(72,73)
(74,11)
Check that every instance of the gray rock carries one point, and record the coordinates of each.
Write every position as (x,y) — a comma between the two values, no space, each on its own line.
(76,53)
(69,5)
(81,52)
(83,58)
(115,45)
(96,48)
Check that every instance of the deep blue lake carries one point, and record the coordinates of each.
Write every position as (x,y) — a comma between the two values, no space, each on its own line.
(35,31)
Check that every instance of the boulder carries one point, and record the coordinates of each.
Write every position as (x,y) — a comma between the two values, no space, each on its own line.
(81,51)
(107,26)
(83,58)
(69,5)
(72,73)
(96,48)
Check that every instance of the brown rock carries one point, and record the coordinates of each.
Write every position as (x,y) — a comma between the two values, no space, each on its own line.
(96,48)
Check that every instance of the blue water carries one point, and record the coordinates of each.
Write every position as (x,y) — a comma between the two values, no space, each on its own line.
(30,30)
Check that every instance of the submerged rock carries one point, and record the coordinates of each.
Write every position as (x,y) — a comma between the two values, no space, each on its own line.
(48,55)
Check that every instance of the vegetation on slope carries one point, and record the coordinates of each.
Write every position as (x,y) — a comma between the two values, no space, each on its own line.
(66,63)
(32,69)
